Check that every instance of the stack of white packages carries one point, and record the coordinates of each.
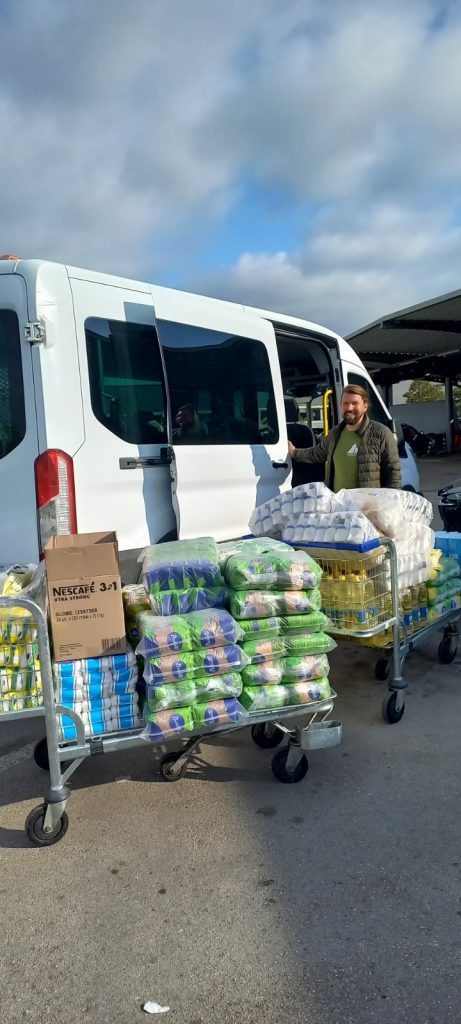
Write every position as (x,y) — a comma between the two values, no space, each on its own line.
(404,517)
(337,528)
(102,691)
(270,519)
(312,514)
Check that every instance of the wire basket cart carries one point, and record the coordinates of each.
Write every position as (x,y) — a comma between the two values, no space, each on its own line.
(360,594)
(306,727)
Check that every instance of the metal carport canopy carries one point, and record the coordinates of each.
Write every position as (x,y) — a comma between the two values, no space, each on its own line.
(421,341)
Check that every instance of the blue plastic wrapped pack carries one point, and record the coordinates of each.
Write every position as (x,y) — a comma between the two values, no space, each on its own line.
(252,545)
(181,564)
(181,602)
(267,698)
(216,713)
(255,604)
(213,628)
(189,691)
(281,569)
(172,667)
(164,724)
(162,635)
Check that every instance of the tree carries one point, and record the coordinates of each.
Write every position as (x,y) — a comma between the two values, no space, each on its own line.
(425,391)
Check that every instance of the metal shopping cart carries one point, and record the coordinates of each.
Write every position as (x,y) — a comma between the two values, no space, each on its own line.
(306,727)
(360,593)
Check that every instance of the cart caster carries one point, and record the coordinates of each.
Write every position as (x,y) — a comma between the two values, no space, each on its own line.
(382,669)
(34,827)
(169,768)
(390,713)
(266,735)
(279,767)
(41,757)
(448,649)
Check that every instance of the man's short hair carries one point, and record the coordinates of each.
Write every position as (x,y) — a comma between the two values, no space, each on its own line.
(355,389)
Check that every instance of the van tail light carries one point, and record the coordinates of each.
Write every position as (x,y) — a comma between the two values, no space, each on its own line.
(55,489)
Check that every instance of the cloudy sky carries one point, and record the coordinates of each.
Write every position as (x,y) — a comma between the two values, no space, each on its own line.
(303,156)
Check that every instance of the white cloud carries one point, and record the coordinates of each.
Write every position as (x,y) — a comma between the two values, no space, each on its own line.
(128,128)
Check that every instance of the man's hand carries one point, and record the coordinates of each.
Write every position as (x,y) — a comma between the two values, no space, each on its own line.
(291,449)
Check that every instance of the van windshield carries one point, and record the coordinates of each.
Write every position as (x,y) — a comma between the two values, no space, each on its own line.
(12,407)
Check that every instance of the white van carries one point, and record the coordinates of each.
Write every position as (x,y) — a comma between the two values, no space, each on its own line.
(93,372)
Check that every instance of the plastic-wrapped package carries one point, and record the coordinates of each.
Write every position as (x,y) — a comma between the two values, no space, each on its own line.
(448,568)
(215,713)
(213,628)
(265,698)
(337,528)
(164,724)
(173,667)
(180,564)
(264,649)
(189,691)
(308,643)
(267,673)
(254,604)
(448,589)
(161,635)
(387,507)
(296,668)
(311,622)
(99,717)
(135,600)
(248,546)
(271,626)
(274,570)
(300,668)
(269,518)
(416,539)
(181,602)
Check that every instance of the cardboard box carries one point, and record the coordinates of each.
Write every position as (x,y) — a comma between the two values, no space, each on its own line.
(85,597)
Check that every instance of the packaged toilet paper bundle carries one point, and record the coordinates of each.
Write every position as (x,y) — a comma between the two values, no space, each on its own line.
(270,518)
(102,691)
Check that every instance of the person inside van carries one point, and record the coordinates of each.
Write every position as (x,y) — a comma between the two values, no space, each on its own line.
(188,425)
(358,452)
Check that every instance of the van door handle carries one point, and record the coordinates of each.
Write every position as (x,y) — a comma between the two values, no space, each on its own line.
(280,465)
(148,461)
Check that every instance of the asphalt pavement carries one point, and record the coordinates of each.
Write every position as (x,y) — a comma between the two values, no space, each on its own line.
(232,898)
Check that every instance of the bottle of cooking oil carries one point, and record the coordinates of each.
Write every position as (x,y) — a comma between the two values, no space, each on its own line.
(416,613)
(406,605)
(423,603)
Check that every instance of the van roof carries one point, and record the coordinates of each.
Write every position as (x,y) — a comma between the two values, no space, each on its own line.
(29,268)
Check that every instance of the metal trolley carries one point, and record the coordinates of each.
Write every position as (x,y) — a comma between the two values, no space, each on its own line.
(363,619)
(306,727)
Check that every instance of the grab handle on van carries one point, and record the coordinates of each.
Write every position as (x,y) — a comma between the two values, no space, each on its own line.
(280,465)
(326,398)
(148,461)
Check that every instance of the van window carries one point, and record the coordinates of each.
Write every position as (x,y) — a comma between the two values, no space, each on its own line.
(375,409)
(126,380)
(12,407)
(220,387)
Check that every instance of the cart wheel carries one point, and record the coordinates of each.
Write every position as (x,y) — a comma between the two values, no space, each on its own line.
(382,669)
(34,827)
(41,755)
(266,735)
(167,768)
(448,650)
(279,767)
(390,713)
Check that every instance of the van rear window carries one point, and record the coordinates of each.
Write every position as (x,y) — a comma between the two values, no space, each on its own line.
(12,408)
(220,387)
(126,380)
